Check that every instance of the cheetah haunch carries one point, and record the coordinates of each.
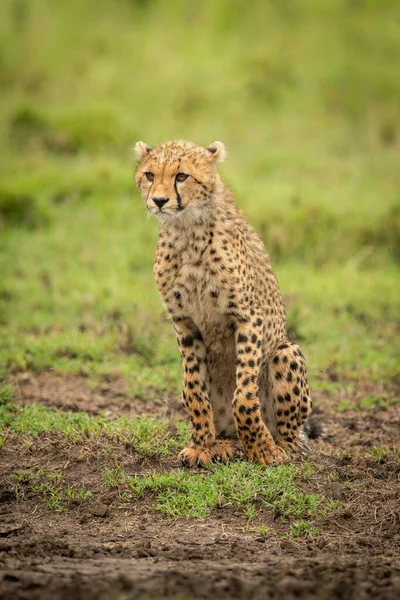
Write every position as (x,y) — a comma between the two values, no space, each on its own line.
(242,376)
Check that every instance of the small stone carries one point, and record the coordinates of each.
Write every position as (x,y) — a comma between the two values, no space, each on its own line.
(84,519)
(288,546)
(98,509)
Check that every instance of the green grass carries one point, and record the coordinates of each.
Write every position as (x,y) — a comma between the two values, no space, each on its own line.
(145,434)
(380,454)
(49,487)
(238,485)
(302,528)
(368,402)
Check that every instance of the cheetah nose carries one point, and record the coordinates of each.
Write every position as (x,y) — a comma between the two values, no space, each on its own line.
(160,201)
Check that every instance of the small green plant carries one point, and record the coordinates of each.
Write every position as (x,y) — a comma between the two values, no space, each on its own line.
(353,484)
(125,496)
(332,505)
(50,495)
(54,477)
(25,475)
(303,528)
(77,496)
(250,511)
(21,480)
(113,476)
(345,405)
(264,530)
(308,469)
(49,486)
(378,453)
(19,492)
(373,401)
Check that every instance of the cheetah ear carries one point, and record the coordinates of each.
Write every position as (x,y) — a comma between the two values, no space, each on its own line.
(141,149)
(218,151)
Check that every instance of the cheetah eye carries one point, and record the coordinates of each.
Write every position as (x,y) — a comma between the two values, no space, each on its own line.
(150,176)
(181,177)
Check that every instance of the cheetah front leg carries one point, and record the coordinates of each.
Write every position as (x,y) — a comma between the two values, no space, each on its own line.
(254,435)
(204,447)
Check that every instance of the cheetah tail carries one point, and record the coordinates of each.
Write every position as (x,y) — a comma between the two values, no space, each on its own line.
(313,428)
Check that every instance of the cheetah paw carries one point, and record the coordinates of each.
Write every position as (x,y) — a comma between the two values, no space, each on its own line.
(265,452)
(263,456)
(220,451)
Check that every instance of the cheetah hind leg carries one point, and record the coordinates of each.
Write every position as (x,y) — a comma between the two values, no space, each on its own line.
(289,391)
(220,451)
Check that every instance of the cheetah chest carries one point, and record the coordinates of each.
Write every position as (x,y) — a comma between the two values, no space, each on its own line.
(202,300)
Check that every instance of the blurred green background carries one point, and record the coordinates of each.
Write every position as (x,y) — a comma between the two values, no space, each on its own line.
(305,95)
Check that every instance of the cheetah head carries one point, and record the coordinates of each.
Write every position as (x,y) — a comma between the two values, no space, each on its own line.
(177,179)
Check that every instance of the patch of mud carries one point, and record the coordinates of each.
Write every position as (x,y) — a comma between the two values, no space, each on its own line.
(130,550)
(360,430)
(109,548)
(75,393)
(281,579)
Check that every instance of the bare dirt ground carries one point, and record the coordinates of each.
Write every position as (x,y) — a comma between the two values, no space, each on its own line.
(105,549)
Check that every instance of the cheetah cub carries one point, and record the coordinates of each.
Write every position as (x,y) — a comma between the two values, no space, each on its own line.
(242,376)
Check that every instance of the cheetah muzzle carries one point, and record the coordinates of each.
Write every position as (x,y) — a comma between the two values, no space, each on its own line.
(243,378)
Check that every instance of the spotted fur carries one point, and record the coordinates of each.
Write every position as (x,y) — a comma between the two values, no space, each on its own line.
(242,376)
